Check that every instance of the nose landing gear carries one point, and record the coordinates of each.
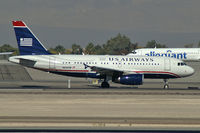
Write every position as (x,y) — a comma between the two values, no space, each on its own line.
(166,85)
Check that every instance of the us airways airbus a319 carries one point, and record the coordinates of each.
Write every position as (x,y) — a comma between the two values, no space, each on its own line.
(127,70)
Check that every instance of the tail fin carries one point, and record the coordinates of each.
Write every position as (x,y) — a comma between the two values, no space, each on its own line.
(28,43)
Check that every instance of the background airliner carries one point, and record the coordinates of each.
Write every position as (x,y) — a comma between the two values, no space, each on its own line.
(186,54)
(128,70)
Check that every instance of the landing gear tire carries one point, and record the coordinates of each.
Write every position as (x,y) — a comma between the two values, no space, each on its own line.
(166,86)
(105,85)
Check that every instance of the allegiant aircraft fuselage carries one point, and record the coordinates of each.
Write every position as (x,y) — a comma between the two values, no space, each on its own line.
(185,54)
(128,70)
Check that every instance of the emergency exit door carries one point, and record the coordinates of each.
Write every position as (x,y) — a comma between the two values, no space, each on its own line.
(167,65)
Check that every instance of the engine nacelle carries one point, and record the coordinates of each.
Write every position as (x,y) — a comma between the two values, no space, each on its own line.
(131,79)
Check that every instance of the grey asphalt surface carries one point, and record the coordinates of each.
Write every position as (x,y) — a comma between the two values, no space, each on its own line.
(45,101)
(100,108)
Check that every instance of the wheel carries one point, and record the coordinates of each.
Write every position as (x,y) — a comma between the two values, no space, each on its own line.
(105,85)
(166,86)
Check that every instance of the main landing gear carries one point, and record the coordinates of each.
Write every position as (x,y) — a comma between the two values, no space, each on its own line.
(166,86)
(105,84)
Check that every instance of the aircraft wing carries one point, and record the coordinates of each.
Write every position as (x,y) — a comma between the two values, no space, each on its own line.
(6,53)
(109,71)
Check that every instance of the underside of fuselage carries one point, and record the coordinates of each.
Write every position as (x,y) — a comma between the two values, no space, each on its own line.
(98,76)
(159,76)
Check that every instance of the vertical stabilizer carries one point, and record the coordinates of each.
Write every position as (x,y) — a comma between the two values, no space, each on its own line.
(28,43)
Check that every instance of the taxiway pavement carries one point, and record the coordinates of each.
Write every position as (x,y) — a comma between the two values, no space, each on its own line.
(100,108)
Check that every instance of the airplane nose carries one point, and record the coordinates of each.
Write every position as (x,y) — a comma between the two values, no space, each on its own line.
(191,71)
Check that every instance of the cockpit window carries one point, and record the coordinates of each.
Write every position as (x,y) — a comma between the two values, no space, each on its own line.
(182,64)
(134,52)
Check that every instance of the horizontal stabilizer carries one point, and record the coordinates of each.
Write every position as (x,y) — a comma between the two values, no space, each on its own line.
(26,62)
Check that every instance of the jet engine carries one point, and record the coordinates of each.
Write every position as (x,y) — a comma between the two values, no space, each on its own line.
(130,79)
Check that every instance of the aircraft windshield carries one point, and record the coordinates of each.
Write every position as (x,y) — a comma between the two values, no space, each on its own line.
(182,64)
(134,52)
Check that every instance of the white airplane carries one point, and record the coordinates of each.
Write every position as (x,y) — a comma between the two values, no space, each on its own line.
(185,54)
(127,70)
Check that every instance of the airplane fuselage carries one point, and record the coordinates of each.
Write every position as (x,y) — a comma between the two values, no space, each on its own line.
(74,65)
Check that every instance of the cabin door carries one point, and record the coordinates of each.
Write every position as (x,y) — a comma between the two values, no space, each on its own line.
(167,65)
(52,61)
(119,64)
